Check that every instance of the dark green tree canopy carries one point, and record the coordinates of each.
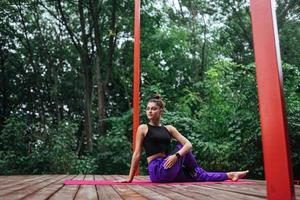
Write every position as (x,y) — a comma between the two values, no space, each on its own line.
(66,79)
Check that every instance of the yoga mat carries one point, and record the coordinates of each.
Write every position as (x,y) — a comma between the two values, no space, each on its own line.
(148,182)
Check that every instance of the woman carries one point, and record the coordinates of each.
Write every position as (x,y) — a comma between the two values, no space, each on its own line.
(177,166)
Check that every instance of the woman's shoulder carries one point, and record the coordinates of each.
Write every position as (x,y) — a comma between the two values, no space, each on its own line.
(143,127)
(170,127)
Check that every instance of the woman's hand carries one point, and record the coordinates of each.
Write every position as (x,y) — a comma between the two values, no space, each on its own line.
(124,181)
(170,161)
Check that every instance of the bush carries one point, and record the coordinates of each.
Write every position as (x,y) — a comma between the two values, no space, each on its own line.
(114,150)
(62,149)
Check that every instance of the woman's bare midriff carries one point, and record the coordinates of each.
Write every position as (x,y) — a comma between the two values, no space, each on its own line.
(150,158)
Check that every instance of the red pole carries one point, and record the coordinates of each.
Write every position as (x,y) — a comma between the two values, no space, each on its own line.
(136,73)
(276,150)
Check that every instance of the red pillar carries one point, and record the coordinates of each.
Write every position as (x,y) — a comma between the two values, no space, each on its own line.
(136,73)
(276,150)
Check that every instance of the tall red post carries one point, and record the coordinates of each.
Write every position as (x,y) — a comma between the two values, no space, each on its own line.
(276,150)
(136,73)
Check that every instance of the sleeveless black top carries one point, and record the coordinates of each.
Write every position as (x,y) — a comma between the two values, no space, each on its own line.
(157,140)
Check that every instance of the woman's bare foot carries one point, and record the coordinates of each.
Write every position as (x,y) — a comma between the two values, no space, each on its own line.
(235,176)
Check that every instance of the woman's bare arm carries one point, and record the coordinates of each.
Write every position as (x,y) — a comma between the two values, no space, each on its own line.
(187,146)
(137,152)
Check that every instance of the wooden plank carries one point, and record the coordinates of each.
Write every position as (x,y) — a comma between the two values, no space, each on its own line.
(259,187)
(251,190)
(144,191)
(15,181)
(87,191)
(49,190)
(176,191)
(210,193)
(123,190)
(67,191)
(263,182)
(6,180)
(106,191)
(25,190)
(161,190)
(51,187)
(297,191)
(23,184)
(147,192)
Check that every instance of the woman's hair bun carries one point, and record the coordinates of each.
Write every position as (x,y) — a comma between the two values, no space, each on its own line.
(156,96)
(157,99)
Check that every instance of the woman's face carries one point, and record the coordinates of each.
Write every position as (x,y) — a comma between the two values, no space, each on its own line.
(153,111)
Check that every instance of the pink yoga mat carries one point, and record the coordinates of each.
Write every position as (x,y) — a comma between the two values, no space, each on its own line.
(148,182)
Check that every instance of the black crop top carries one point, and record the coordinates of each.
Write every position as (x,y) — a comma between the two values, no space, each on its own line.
(157,140)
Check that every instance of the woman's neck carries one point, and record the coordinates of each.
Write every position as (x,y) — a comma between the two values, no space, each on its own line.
(155,123)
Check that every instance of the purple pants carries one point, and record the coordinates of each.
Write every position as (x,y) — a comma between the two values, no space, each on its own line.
(181,170)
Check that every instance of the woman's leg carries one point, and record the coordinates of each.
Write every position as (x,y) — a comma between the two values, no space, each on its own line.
(158,173)
(196,172)
(189,161)
(187,169)
(203,175)
(180,171)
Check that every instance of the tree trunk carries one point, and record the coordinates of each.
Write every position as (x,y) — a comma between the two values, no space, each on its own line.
(86,65)
(4,112)
(88,78)
(35,66)
(112,44)
(101,83)
(95,9)
(51,69)
(82,47)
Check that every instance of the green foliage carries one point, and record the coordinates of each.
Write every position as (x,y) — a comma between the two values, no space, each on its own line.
(63,147)
(84,165)
(291,75)
(16,143)
(290,35)
(197,55)
(233,110)
(24,150)
(224,124)
(113,150)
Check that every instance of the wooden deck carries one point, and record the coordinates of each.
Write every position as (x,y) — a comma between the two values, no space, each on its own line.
(35,187)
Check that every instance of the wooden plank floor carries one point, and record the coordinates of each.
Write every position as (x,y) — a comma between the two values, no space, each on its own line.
(37,187)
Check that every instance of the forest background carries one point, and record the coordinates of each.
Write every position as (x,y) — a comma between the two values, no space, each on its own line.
(66,72)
